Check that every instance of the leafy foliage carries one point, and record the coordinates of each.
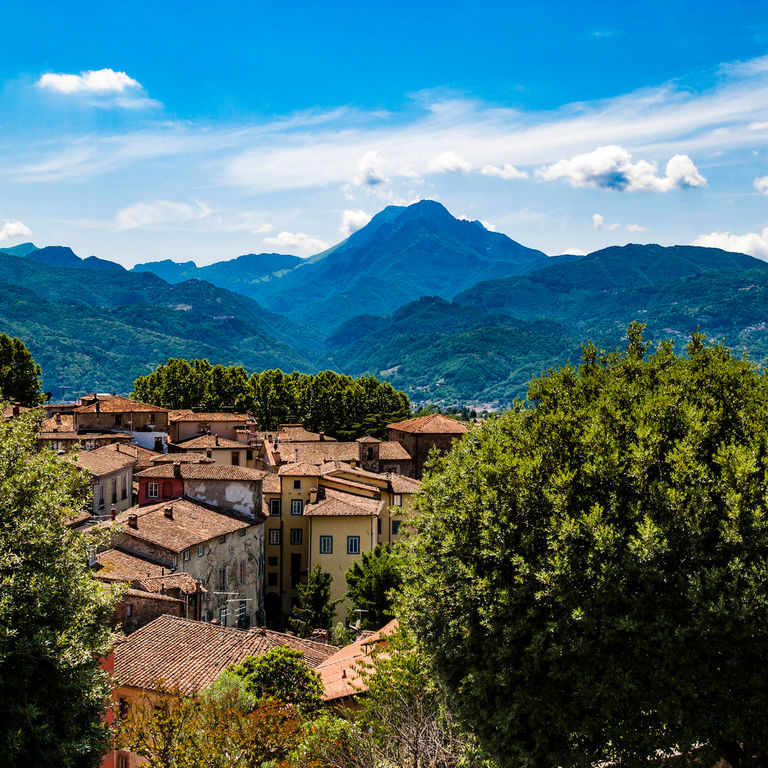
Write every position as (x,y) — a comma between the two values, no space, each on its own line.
(315,609)
(211,729)
(328,401)
(54,615)
(282,674)
(371,581)
(19,373)
(589,574)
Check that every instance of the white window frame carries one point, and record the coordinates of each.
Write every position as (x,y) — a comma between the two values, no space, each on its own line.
(186,554)
(326,545)
(274,536)
(297,504)
(353,545)
(297,537)
(153,490)
(200,550)
(275,504)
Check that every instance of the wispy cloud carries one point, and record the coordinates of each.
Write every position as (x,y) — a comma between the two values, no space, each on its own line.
(300,242)
(761,185)
(752,243)
(159,213)
(448,162)
(505,171)
(351,221)
(12,229)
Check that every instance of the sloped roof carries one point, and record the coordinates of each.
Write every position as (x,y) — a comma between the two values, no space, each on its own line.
(191,655)
(367,439)
(104,460)
(296,433)
(393,451)
(340,673)
(118,404)
(341,504)
(300,469)
(271,483)
(209,441)
(191,523)
(202,471)
(115,565)
(181,581)
(432,424)
(189,415)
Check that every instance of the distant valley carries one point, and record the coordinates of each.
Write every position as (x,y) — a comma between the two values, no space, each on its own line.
(441,307)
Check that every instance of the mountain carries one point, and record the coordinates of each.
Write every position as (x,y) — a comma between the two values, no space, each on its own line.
(403,253)
(19,250)
(243,274)
(124,325)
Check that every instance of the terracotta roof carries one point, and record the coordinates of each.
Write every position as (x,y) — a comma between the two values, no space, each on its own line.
(191,523)
(181,581)
(340,673)
(115,565)
(209,441)
(393,451)
(367,439)
(188,415)
(403,484)
(271,483)
(352,484)
(66,422)
(180,458)
(81,437)
(296,433)
(77,520)
(340,504)
(397,483)
(433,424)
(203,471)
(300,469)
(118,404)
(104,460)
(8,411)
(190,655)
(151,595)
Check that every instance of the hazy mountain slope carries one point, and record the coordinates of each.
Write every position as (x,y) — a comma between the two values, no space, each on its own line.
(22,249)
(402,254)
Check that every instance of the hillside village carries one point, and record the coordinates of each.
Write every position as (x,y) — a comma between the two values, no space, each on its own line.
(212,524)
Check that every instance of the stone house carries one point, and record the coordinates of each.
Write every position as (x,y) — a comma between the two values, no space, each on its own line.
(186,424)
(222,450)
(111,471)
(420,435)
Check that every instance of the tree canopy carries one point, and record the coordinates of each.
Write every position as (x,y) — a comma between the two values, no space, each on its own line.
(54,615)
(326,402)
(371,581)
(589,573)
(19,373)
(314,609)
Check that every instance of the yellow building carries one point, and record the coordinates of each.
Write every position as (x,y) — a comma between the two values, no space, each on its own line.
(327,515)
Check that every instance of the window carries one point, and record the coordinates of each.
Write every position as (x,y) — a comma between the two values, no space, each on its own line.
(398,500)
(223,540)
(223,616)
(200,550)
(114,491)
(297,505)
(295,536)
(242,532)
(118,419)
(242,571)
(274,536)
(235,458)
(175,560)
(186,554)
(122,761)
(222,579)
(395,527)
(271,579)
(129,610)
(297,485)
(248,454)
(326,545)
(274,507)
(370,454)
(124,489)
(101,496)
(273,561)
(295,569)
(378,526)
(353,545)
(152,490)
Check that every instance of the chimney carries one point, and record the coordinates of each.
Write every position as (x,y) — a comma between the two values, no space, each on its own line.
(133,521)
(216,440)
(113,512)
(313,496)
(296,454)
(98,406)
(168,511)
(177,469)
(16,409)
(269,438)
(322,435)
(57,418)
(208,453)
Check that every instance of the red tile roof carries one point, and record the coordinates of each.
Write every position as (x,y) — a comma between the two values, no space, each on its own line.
(300,469)
(118,404)
(188,415)
(340,673)
(209,441)
(271,483)
(203,471)
(433,424)
(114,565)
(340,504)
(191,655)
(190,523)
(104,460)
(181,581)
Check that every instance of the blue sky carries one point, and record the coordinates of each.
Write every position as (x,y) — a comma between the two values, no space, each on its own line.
(140,131)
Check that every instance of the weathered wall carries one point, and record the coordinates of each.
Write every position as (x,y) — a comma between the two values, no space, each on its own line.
(241,496)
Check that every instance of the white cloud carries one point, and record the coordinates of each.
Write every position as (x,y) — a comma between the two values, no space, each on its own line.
(505,171)
(448,162)
(370,170)
(14,228)
(92,81)
(488,225)
(574,252)
(351,221)
(159,212)
(298,241)
(611,167)
(635,228)
(761,185)
(598,222)
(753,243)
(758,126)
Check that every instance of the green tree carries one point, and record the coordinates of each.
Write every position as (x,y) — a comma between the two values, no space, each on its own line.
(371,582)
(589,573)
(315,609)
(282,674)
(54,615)
(19,373)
